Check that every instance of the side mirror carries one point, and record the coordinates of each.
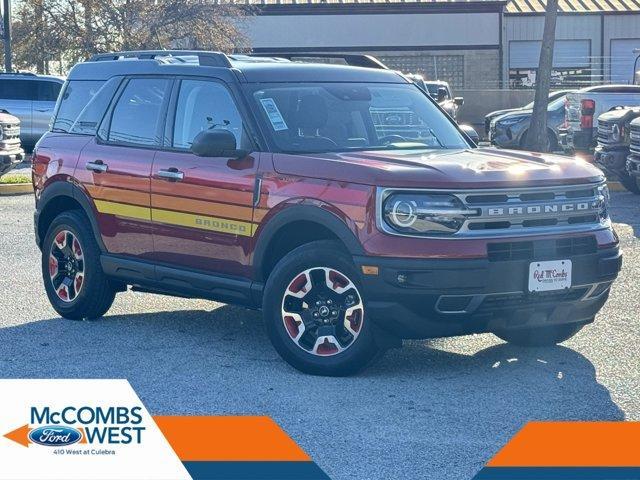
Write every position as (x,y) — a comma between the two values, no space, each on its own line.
(471,133)
(442,94)
(217,142)
(459,101)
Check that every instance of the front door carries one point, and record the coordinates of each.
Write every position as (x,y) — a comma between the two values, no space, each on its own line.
(202,208)
(115,169)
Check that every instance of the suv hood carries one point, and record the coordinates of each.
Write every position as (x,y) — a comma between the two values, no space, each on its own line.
(622,114)
(459,169)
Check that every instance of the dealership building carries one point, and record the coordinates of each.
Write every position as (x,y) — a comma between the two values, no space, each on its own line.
(471,44)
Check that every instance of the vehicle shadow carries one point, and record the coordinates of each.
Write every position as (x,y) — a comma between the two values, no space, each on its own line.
(625,211)
(419,409)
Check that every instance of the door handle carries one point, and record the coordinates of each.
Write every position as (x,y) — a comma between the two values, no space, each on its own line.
(98,166)
(172,174)
(43,110)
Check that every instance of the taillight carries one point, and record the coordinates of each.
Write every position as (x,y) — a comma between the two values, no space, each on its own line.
(587,109)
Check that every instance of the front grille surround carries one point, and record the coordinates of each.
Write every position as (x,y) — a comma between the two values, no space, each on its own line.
(635,139)
(605,134)
(520,211)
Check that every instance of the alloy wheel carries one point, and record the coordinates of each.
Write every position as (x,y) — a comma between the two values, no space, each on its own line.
(322,311)
(66,266)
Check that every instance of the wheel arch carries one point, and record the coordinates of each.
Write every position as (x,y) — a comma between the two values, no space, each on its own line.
(309,219)
(60,197)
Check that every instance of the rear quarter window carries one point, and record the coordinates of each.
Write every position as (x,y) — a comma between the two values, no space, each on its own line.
(75,97)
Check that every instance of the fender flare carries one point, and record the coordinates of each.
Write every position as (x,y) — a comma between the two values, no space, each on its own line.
(59,189)
(307,213)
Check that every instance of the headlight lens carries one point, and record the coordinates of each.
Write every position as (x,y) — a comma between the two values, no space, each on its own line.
(615,132)
(1,133)
(424,213)
(505,122)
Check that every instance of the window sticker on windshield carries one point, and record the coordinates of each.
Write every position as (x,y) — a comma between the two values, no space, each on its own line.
(275,117)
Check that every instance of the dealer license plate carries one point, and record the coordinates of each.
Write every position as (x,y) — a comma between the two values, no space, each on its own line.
(545,276)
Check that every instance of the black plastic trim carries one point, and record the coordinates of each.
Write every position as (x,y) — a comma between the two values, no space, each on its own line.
(160,278)
(307,213)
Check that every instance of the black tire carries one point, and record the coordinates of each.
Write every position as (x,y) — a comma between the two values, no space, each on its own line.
(630,183)
(552,142)
(540,336)
(312,257)
(97,293)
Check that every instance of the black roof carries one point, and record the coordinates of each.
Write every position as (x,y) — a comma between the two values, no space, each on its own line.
(233,68)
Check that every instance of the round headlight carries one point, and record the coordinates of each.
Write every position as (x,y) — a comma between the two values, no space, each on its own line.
(424,213)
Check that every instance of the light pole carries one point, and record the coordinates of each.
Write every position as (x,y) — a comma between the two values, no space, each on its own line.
(6,17)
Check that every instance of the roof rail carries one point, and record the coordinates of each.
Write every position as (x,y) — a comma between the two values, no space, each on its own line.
(354,60)
(209,59)
(30,74)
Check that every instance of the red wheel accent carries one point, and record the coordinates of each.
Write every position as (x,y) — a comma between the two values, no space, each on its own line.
(326,348)
(53,266)
(292,326)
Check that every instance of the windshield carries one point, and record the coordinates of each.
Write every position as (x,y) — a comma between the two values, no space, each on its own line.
(338,117)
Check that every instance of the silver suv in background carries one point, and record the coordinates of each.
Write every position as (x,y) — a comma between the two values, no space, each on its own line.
(32,99)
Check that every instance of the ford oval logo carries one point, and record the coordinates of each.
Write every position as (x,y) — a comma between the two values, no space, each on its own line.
(55,436)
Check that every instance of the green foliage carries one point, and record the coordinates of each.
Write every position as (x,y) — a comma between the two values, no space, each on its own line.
(15,178)
(55,34)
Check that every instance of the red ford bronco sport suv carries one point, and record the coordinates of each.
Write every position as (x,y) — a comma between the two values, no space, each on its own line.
(338,199)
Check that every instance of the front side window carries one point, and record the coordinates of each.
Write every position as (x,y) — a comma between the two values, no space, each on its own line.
(76,95)
(204,105)
(314,117)
(136,117)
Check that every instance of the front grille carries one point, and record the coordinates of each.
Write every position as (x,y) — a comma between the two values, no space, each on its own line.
(545,209)
(635,138)
(509,301)
(542,249)
(604,133)
(10,131)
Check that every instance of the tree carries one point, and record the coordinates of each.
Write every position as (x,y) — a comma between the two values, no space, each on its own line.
(73,30)
(538,135)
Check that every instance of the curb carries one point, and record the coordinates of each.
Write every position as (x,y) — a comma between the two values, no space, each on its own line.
(616,187)
(15,189)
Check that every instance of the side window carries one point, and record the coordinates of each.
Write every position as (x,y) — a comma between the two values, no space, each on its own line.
(17,89)
(74,98)
(91,115)
(204,105)
(136,116)
(47,91)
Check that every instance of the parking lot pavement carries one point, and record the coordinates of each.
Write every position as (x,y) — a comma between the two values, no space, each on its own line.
(434,409)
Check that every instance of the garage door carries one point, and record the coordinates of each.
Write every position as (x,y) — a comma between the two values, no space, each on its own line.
(566,54)
(622,58)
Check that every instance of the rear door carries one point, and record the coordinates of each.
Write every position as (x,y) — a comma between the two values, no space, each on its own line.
(45,100)
(115,167)
(16,97)
(202,208)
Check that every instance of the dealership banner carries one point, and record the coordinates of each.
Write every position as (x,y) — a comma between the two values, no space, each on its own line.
(569,451)
(99,429)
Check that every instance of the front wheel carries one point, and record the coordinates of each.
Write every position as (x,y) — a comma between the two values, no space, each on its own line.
(314,311)
(73,278)
(539,336)
(630,183)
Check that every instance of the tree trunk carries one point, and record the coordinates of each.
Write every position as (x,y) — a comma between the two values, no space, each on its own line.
(537,137)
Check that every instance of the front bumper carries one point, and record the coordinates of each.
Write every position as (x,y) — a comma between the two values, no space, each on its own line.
(613,161)
(505,137)
(8,160)
(423,298)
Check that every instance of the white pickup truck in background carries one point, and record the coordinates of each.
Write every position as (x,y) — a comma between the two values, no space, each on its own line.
(579,132)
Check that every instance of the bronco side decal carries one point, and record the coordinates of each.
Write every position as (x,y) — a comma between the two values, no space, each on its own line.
(215,224)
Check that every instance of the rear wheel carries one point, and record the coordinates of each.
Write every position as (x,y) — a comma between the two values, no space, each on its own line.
(74,281)
(630,183)
(540,336)
(315,311)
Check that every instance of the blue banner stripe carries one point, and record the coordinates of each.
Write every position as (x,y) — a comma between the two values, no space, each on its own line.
(255,471)
(558,473)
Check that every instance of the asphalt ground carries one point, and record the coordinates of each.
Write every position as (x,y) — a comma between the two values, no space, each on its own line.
(432,410)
